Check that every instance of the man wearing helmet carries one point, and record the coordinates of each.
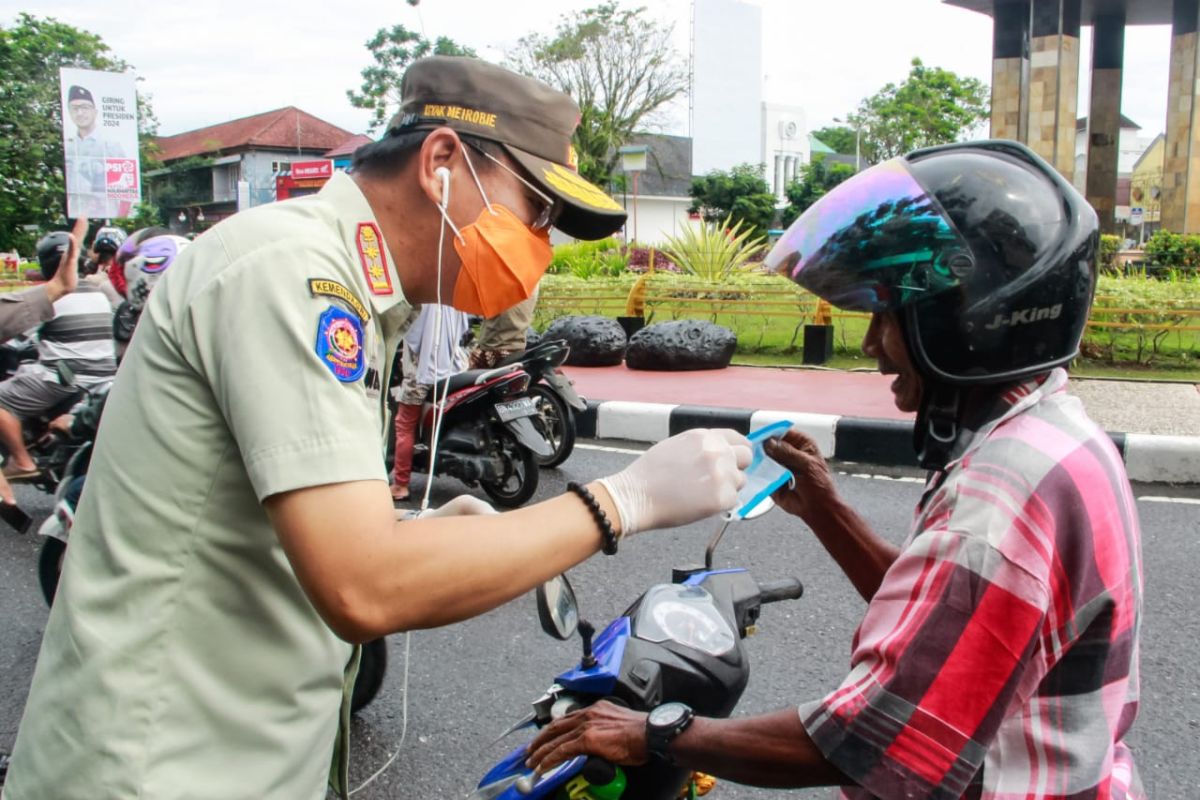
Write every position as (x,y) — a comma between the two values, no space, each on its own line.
(22,311)
(998,654)
(145,260)
(104,252)
(75,352)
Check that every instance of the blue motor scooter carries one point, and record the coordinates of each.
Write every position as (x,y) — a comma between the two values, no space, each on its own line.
(680,641)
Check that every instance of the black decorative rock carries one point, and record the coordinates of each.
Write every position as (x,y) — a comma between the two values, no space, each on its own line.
(594,341)
(532,339)
(683,345)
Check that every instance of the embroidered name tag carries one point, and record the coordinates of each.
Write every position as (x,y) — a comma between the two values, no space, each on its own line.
(323,287)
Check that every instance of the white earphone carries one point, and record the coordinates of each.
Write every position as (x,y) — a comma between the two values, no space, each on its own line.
(444,174)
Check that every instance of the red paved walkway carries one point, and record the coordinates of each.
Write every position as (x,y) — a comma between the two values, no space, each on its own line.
(855,394)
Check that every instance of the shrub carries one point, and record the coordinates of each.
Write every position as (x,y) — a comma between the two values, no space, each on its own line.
(639,259)
(716,253)
(1109,247)
(588,259)
(1145,321)
(1173,251)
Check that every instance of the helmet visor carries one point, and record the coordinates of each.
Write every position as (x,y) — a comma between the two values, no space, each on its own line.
(877,241)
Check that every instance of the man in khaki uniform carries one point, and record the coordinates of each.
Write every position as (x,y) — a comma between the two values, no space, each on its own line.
(502,335)
(237,534)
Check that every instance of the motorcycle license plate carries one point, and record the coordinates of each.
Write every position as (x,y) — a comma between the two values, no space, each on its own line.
(515,409)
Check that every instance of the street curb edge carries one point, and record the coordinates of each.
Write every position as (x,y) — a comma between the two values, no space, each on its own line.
(1148,458)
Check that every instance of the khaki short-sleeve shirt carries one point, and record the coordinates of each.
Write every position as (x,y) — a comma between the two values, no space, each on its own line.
(182,659)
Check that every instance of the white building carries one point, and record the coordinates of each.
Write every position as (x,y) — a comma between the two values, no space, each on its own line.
(727,85)
(785,145)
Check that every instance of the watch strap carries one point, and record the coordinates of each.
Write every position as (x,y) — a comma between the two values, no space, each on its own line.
(658,739)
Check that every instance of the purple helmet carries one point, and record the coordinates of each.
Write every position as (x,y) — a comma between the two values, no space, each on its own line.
(148,263)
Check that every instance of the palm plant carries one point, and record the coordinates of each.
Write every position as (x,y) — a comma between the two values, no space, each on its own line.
(713,252)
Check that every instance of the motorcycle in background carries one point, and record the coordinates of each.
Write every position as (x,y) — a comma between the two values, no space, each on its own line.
(488,436)
(49,452)
(554,395)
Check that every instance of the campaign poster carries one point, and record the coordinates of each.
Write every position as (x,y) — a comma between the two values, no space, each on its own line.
(100,142)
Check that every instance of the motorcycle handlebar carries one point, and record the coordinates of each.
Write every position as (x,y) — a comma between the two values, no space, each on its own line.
(786,589)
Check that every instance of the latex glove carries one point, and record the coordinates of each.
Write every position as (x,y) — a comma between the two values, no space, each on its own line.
(462,506)
(683,479)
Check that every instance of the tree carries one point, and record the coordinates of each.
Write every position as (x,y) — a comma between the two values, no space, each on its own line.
(620,68)
(393,50)
(741,194)
(816,178)
(838,138)
(32,186)
(932,106)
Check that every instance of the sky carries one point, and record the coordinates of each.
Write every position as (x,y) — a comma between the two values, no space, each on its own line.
(205,63)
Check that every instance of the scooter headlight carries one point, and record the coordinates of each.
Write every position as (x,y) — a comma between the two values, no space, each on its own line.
(687,615)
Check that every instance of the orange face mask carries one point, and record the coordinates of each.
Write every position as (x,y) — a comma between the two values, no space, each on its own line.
(502,261)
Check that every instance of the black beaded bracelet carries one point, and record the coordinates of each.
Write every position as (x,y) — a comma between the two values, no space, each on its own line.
(606,528)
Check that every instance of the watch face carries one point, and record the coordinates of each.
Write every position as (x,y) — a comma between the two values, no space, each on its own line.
(667,714)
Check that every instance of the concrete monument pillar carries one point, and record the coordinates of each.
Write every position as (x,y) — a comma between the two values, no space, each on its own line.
(1010,70)
(1181,172)
(1054,82)
(1104,116)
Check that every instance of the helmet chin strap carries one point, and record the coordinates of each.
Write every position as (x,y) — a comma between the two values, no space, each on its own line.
(936,429)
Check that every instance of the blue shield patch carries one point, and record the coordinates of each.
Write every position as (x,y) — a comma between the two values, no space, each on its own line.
(340,344)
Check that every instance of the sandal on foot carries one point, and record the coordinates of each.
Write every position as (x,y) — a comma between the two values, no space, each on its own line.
(22,474)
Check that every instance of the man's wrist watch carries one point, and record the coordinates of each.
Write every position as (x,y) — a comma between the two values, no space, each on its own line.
(664,723)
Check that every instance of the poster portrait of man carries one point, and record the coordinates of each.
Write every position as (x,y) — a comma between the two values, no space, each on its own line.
(99,143)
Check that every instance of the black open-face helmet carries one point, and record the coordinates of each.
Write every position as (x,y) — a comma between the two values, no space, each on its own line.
(50,250)
(984,250)
(108,240)
(986,254)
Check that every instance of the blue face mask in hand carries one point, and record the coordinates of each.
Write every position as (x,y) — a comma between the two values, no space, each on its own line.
(764,476)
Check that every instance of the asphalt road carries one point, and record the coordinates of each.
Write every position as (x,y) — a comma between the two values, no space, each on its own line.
(467,682)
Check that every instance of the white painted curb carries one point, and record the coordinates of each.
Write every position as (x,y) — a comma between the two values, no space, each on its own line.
(1162,459)
(1148,458)
(819,426)
(636,422)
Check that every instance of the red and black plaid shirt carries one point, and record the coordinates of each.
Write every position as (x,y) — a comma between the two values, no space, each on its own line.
(999,658)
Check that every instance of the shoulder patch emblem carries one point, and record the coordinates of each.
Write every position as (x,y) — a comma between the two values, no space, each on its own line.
(323,287)
(340,344)
(373,258)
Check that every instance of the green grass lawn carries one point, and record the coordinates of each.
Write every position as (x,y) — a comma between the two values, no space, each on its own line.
(774,335)
(1081,368)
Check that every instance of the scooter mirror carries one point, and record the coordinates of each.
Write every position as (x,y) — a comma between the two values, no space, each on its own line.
(557,609)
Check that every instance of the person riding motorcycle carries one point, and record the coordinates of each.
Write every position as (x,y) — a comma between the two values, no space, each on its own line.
(22,311)
(144,263)
(127,250)
(105,245)
(998,653)
(75,353)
